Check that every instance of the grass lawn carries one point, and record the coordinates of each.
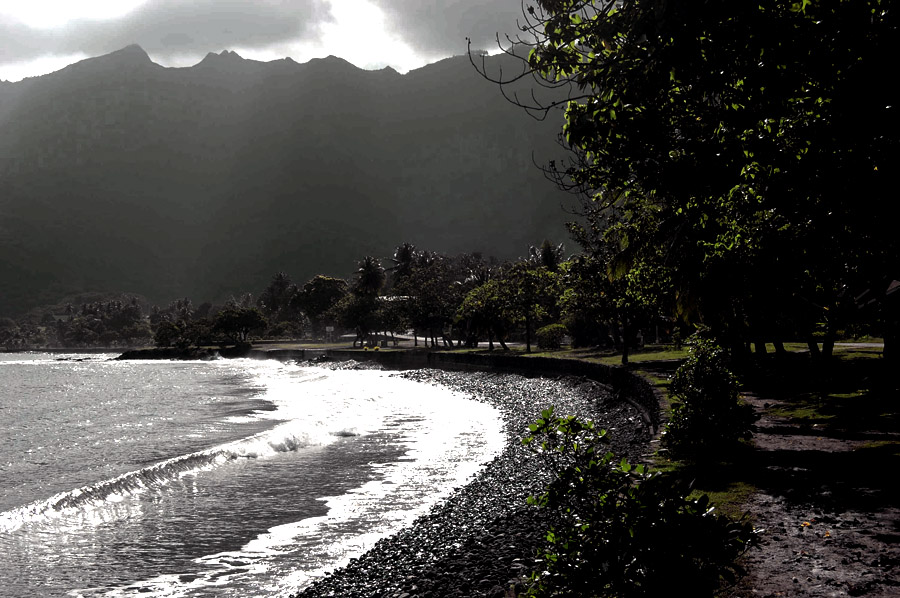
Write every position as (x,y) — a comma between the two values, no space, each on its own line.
(850,395)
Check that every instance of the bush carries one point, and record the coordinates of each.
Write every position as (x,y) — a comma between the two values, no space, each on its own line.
(621,531)
(550,337)
(707,415)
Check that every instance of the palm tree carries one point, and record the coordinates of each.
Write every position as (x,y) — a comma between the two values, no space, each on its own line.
(404,258)
(547,255)
(369,277)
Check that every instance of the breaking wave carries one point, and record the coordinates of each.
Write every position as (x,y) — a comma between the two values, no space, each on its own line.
(287,437)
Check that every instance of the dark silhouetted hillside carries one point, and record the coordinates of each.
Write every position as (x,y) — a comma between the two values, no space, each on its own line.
(117,174)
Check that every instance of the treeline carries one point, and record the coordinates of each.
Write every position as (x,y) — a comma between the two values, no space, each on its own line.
(94,322)
(442,300)
(541,300)
(465,300)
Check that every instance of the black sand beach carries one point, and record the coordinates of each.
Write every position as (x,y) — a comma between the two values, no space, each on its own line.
(484,538)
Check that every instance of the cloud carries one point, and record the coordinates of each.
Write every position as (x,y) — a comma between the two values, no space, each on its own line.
(440,27)
(403,33)
(168,28)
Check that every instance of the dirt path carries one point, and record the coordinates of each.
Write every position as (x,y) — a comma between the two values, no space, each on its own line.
(827,501)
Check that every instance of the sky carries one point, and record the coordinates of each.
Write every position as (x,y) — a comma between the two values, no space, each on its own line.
(42,36)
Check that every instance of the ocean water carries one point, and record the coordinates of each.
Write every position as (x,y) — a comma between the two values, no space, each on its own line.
(223,478)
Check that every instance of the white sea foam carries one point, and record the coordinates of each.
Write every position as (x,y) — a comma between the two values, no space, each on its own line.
(299,431)
(448,439)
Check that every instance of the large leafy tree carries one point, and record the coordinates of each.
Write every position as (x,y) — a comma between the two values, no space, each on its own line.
(319,295)
(275,300)
(431,291)
(485,312)
(531,293)
(239,324)
(746,145)
(359,312)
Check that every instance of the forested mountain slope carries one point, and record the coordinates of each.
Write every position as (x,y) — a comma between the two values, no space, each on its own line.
(122,175)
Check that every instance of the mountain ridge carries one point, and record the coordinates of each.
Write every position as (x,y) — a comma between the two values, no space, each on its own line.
(119,174)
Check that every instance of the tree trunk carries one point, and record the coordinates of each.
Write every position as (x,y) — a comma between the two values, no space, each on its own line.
(779,348)
(502,344)
(625,342)
(759,347)
(527,334)
(828,346)
(813,347)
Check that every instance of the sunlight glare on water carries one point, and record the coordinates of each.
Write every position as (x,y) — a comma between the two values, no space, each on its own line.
(265,476)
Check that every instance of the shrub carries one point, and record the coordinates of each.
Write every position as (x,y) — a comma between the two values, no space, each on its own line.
(707,414)
(621,531)
(550,336)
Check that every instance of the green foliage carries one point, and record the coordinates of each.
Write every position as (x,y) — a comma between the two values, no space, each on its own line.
(238,324)
(548,256)
(743,146)
(118,322)
(359,313)
(486,313)
(586,308)
(708,414)
(529,293)
(276,301)
(319,295)
(429,282)
(550,336)
(167,334)
(621,531)
(370,277)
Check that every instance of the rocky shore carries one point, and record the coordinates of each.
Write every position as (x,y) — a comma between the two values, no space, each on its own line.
(484,538)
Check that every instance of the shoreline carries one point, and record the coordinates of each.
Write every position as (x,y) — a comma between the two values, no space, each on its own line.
(627,386)
(483,538)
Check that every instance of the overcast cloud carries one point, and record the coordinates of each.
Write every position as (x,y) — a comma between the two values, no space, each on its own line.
(172,27)
(176,31)
(440,27)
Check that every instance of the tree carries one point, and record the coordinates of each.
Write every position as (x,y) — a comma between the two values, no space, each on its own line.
(359,313)
(404,259)
(529,292)
(167,334)
(486,313)
(237,324)
(369,278)
(547,255)
(275,301)
(360,309)
(319,295)
(432,291)
(586,308)
(742,144)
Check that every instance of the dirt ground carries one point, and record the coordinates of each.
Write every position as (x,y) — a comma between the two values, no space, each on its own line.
(827,505)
